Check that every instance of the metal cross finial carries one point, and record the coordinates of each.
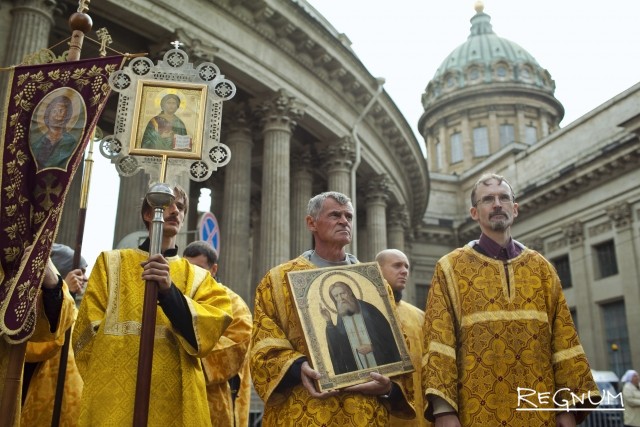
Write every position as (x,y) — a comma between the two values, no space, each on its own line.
(105,39)
(83,6)
(176,44)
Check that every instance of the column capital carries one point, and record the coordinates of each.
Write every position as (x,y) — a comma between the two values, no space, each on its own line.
(301,158)
(536,243)
(338,153)
(398,217)
(574,232)
(620,214)
(237,116)
(279,111)
(46,6)
(377,190)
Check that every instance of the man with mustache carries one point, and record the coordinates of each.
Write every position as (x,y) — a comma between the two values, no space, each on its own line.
(362,337)
(281,373)
(192,313)
(496,323)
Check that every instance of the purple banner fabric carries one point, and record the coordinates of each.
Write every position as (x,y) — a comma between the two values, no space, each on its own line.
(51,114)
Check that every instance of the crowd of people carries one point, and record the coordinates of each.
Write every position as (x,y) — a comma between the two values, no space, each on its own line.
(495,323)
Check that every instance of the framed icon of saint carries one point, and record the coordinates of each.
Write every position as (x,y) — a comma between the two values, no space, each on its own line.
(350,325)
(169,119)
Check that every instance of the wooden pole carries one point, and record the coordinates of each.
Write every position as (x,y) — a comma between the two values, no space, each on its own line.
(80,23)
(159,196)
(82,216)
(12,385)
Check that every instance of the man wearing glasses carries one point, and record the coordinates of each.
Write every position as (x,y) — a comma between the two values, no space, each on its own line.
(500,345)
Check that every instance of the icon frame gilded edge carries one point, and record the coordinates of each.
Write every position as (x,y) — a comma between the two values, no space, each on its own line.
(310,292)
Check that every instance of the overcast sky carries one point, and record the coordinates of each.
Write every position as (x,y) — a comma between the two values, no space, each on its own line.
(589,47)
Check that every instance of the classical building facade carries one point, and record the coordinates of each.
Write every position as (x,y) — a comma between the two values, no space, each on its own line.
(490,107)
(307,117)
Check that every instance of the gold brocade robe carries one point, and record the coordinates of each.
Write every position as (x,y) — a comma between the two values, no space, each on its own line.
(107,340)
(228,358)
(278,340)
(42,334)
(496,331)
(412,319)
(39,402)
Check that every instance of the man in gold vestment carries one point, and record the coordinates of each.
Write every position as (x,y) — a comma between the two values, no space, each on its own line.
(226,369)
(193,312)
(500,345)
(281,373)
(43,360)
(55,314)
(394,265)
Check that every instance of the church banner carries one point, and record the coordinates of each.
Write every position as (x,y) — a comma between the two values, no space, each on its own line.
(349,323)
(51,112)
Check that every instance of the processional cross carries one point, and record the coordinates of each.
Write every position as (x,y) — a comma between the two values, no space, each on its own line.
(195,153)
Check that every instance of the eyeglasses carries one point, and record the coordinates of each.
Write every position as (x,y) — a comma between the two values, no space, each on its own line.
(488,200)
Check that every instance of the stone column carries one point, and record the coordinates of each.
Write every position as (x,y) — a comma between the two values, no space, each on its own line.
(337,158)
(363,242)
(398,222)
(520,133)
(301,192)
(278,119)
(132,191)
(580,268)
(256,273)
(620,215)
(376,204)
(234,270)
(445,140)
(31,25)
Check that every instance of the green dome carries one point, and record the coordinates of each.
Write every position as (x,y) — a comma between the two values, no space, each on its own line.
(486,59)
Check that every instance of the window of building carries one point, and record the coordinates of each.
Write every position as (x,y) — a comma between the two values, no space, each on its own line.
(616,336)
(530,134)
(422,291)
(525,74)
(456,148)
(605,262)
(501,71)
(451,81)
(481,141)
(474,74)
(564,270)
(507,135)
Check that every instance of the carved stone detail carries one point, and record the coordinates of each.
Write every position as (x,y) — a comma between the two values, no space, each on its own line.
(338,154)
(280,111)
(378,189)
(398,217)
(574,232)
(536,243)
(600,229)
(620,214)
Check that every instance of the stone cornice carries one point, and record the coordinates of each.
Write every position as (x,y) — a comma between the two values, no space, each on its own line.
(328,57)
(611,161)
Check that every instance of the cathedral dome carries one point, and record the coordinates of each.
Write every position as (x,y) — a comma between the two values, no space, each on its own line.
(486,59)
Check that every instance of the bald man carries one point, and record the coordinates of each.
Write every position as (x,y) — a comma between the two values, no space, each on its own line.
(395,269)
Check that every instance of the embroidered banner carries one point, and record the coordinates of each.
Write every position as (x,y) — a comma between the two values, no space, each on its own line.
(51,113)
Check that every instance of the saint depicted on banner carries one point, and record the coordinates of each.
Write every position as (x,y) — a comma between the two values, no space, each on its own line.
(52,111)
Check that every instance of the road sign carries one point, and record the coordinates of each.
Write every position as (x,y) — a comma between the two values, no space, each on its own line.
(209,231)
